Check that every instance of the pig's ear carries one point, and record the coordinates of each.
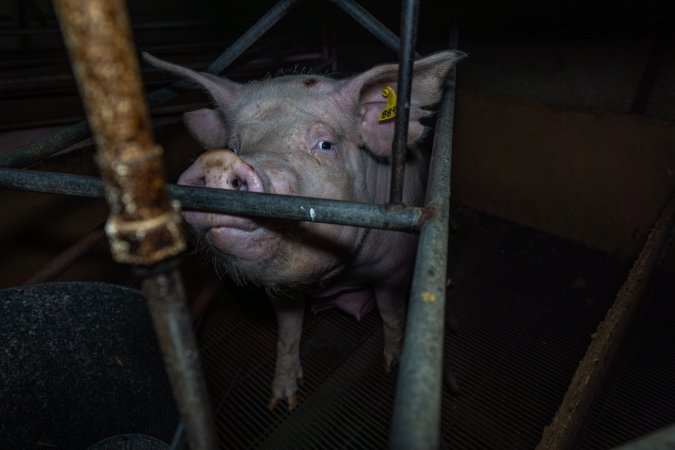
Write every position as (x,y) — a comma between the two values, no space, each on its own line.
(364,93)
(221,90)
(207,127)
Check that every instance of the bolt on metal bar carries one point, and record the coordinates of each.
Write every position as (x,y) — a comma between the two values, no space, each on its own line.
(417,407)
(370,23)
(409,15)
(564,428)
(143,227)
(390,217)
(35,151)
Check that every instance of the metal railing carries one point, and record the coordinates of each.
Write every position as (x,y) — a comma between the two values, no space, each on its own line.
(416,421)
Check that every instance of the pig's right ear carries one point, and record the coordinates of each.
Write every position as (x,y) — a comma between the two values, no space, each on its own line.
(207,127)
(221,90)
(362,95)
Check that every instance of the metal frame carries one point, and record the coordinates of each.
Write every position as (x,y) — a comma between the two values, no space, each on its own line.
(416,422)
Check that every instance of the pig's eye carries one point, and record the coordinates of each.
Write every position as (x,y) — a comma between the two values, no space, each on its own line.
(326,145)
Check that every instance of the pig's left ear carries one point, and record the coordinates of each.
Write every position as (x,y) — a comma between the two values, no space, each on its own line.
(364,93)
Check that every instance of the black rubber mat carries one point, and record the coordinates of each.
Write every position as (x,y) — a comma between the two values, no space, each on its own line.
(525,303)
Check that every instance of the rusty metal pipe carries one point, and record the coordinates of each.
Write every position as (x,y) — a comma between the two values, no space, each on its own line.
(587,379)
(143,227)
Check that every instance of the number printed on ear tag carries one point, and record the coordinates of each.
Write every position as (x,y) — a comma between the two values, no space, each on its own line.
(390,110)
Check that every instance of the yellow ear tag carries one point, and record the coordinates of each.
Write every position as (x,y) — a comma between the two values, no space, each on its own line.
(390,110)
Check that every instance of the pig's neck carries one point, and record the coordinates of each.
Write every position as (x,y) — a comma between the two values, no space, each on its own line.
(378,176)
(385,255)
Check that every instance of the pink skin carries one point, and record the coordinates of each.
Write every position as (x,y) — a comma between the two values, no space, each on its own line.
(306,135)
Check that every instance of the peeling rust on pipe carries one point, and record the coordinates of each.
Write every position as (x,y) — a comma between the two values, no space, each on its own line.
(143,227)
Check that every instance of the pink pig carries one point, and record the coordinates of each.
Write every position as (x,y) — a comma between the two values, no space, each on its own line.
(314,136)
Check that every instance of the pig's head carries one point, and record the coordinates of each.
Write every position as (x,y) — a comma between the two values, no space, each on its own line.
(304,135)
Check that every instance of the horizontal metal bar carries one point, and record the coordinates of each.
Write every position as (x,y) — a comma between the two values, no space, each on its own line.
(417,407)
(35,151)
(224,201)
(370,23)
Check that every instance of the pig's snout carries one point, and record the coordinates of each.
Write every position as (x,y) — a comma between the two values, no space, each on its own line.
(222,169)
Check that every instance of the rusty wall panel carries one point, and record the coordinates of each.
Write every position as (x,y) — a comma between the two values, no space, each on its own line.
(596,177)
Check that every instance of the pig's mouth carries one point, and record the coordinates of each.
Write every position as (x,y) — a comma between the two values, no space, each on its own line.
(206,222)
(233,236)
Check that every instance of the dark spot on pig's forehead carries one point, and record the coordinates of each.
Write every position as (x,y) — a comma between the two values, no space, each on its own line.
(310,81)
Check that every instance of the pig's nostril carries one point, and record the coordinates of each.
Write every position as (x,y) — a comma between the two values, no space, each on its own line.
(239,185)
(192,180)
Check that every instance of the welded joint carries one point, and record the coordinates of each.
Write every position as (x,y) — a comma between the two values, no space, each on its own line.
(427,213)
(144,227)
(148,241)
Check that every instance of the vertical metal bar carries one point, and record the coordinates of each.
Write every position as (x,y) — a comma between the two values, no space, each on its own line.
(370,23)
(143,228)
(563,429)
(416,423)
(409,14)
(173,324)
(35,151)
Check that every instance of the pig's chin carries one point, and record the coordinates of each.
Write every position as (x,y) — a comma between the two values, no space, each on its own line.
(232,236)
(243,244)
(278,258)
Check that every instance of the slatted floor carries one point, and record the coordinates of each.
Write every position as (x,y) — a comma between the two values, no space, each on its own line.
(525,302)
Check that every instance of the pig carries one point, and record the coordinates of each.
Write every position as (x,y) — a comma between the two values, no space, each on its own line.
(314,136)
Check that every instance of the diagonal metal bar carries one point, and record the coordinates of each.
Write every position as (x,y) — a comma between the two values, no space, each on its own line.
(564,428)
(224,201)
(66,258)
(276,13)
(36,151)
(409,14)
(417,408)
(370,23)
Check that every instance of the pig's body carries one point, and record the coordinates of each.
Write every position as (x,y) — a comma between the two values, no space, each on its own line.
(317,137)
